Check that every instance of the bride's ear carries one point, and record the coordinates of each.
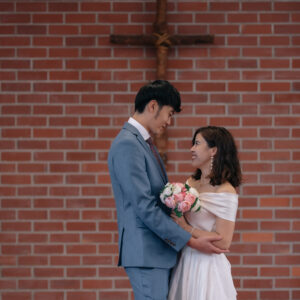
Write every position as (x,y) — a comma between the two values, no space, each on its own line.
(213,151)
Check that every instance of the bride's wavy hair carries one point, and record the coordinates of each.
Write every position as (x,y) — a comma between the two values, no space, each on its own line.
(226,165)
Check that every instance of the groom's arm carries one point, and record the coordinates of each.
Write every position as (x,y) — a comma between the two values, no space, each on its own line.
(203,241)
(131,170)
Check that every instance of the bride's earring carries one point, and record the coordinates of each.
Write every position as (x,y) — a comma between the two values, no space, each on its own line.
(211,163)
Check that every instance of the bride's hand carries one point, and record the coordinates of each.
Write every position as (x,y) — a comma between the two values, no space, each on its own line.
(181,221)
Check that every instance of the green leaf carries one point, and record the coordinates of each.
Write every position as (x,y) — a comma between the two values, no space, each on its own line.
(178,213)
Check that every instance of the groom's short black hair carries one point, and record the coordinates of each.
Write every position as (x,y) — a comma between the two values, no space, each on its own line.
(160,90)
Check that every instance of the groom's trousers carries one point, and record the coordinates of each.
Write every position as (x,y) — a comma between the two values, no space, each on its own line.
(149,283)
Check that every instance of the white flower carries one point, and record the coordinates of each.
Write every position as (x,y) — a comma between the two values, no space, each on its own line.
(193,192)
(177,189)
(167,192)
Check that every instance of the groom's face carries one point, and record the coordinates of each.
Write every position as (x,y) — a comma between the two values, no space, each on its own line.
(162,117)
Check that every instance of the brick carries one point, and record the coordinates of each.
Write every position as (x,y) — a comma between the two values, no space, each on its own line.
(210,87)
(64,260)
(7,238)
(256,75)
(80,18)
(94,29)
(274,40)
(7,260)
(242,17)
(64,75)
(274,294)
(255,283)
(49,249)
(81,272)
(81,295)
(47,64)
(113,295)
(33,238)
(16,249)
(47,41)
(48,295)
(67,53)
(16,226)
(230,6)
(63,29)
(31,29)
(257,29)
(16,272)
(286,237)
(15,179)
(287,52)
(48,226)
(15,87)
(278,86)
(63,7)
(113,18)
(242,40)
(91,6)
(242,63)
(287,283)
(97,284)
(48,18)
(47,87)
(65,238)
(6,6)
(257,260)
(65,284)
(257,237)
(81,249)
(36,52)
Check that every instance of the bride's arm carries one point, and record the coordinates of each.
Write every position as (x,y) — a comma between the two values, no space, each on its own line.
(224,230)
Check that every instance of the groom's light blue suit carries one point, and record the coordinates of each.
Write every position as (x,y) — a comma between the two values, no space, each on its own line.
(148,237)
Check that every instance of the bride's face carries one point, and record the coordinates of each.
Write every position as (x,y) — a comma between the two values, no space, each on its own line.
(201,153)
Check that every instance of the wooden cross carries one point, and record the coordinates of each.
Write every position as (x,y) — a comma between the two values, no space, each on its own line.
(161,39)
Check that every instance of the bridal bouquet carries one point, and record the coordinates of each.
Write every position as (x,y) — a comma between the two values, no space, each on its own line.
(180,198)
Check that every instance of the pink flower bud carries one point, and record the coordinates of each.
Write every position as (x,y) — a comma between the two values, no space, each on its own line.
(170,202)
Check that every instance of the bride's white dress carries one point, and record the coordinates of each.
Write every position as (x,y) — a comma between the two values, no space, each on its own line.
(199,276)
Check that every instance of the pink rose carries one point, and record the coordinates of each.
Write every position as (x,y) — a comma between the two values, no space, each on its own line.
(190,198)
(179,197)
(184,206)
(170,202)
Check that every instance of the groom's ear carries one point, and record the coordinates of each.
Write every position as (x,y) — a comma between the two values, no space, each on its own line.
(152,106)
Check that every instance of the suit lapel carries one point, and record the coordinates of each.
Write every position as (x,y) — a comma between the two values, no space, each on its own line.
(144,144)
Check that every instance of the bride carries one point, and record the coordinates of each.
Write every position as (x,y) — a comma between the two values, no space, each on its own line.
(200,276)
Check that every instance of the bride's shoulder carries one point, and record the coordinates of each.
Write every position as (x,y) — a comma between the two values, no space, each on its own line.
(225,187)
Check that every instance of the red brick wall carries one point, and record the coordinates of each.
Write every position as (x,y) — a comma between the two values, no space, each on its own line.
(65,93)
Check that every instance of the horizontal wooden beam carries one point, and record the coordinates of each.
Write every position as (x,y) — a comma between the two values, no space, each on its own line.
(151,39)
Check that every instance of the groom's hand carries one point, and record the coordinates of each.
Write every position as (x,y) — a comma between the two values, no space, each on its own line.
(205,244)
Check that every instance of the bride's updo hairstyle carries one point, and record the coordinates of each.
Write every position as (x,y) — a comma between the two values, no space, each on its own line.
(226,166)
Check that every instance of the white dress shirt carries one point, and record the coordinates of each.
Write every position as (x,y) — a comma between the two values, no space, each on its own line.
(142,130)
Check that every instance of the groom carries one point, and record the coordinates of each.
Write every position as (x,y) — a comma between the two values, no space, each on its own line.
(149,239)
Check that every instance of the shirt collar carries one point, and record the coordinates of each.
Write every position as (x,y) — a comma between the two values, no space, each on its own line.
(142,130)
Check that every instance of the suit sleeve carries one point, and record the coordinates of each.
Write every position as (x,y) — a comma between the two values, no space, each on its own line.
(134,182)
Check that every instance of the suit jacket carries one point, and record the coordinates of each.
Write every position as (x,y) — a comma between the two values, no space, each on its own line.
(148,237)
